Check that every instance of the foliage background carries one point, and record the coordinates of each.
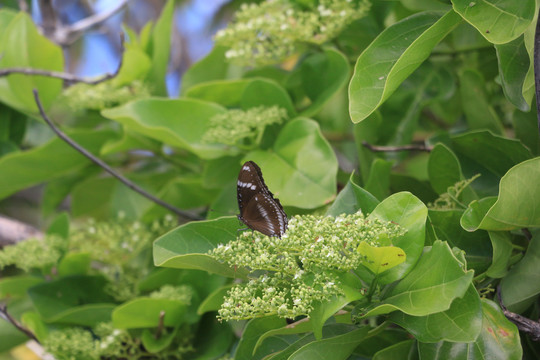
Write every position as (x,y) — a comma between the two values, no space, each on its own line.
(454,79)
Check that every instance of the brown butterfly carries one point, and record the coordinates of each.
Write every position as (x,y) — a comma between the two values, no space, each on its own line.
(259,210)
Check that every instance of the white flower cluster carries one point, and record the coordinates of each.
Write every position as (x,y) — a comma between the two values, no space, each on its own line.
(300,268)
(269,32)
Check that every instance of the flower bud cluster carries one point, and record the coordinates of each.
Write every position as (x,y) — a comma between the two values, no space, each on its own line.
(243,129)
(182,293)
(34,253)
(301,267)
(269,32)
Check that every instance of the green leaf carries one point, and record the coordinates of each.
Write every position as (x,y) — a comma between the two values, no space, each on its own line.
(60,226)
(380,259)
(10,335)
(431,287)
(212,67)
(443,168)
(335,348)
(498,21)
(521,286)
(322,311)
(301,170)
(22,45)
(392,57)
(213,339)
(477,107)
(323,75)
(378,182)
(74,264)
(187,246)
(502,252)
(154,345)
(513,60)
(410,213)
(401,350)
(35,323)
(77,300)
(498,340)
(496,153)
(214,300)
(243,93)
(145,312)
(17,286)
(161,44)
(462,322)
(351,199)
(253,330)
(176,122)
(135,66)
(526,128)
(517,204)
(295,328)
(476,245)
(49,161)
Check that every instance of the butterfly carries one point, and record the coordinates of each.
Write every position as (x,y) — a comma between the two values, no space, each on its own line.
(258,208)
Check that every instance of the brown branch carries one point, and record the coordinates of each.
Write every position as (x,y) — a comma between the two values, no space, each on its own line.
(65,76)
(13,231)
(523,324)
(412,147)
(7,316)
(161,325)
(107,168)
(67,35)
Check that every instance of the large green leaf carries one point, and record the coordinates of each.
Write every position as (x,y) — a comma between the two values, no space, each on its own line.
(431,287)
(22,45)
(501,242)
(49,161)
(498,340)
(477,246)
(187,246)
(161,47)
(443,168)
(323,75)
(496,153)
(145,312)
(244,93)
(513,66)
(521,285)
(212,67)
(410,213)
(78,300)
(392,57)
(462,322)
(517,204)
(477,107)
(16,286)
(526,129)
(498,21)
(351,199)
(176,122)
(335,348)
(301,169)
(253,330)
(399,351)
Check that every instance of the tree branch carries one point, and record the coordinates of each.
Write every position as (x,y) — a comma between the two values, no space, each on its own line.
(7,316)
(524,324)
(107,168)
(65,76)
(412,147)
(13,231)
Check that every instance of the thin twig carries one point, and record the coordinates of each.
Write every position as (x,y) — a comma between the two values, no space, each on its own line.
(7,316)
(67,35)
(412,147)
(536,60)
(524,324)
(65,76)
(161,325)
(107,168)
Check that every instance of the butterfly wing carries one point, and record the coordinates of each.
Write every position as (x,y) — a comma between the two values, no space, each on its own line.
(265,214)
(258,208)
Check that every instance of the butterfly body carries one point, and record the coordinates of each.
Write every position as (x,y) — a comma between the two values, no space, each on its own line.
(259,210)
